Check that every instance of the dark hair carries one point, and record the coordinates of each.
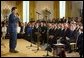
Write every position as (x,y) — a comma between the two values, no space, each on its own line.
(13,8)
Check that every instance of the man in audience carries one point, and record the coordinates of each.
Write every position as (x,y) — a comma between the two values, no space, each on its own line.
(43,32)
(51,39)
(22,31)
(25,35)
(29,32)
(80,42)
(65,39)
(35,30)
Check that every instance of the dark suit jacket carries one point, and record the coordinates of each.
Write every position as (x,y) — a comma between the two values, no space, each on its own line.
(51,32)
(12,23)
(43,29)
(80,42)
(57,32)
(66,33)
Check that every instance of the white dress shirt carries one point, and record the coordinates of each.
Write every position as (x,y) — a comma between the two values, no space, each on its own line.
(18,29)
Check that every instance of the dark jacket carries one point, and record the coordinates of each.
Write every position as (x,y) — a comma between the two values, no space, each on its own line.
(80,42)
(12,23)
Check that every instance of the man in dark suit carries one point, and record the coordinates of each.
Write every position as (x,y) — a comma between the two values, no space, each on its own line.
(29,32)
(66,38)
(35,32)
(52,39)
(80,43)
(12,30)
(43,32)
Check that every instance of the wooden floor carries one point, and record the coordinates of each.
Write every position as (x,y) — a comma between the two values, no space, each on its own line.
(25,50)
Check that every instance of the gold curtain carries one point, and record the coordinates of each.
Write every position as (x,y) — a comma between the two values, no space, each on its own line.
(56,9)
(32,10)
(68,9)
(20,8)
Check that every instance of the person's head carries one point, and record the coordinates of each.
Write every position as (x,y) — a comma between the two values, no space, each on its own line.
(65,25)
(52,26)
(62,26)
(55,25)
(44,24)
(30,25)
(41,23)
(59,25)
(14,10)
(81,28)
(25,23)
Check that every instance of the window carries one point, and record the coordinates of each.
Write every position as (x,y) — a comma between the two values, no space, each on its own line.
(62,8)
(25,11)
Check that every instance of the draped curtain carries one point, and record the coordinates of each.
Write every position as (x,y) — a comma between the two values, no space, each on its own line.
(56,9)
(32,10)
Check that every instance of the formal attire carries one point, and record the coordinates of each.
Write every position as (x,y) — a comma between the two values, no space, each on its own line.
(80,44)
(52,39)
(12,27)
(65,39)
(29,33)
(43,32)
(35,31)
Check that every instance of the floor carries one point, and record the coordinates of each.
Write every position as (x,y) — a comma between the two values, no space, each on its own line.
(25,50)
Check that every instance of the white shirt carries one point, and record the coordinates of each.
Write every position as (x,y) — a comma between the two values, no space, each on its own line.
(23,29)
(18,29)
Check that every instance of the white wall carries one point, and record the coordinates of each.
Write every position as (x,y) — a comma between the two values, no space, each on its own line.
(41,5)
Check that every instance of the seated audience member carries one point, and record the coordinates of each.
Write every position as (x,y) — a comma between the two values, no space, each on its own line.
(35,30)
(25,30)
(29,32)
(65,39)
(80,42)
(43,32)
(33,23)
(52,39)
(22,31)
(22,28)
(75,33)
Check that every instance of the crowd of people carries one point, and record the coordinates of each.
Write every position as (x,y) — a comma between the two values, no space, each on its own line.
(65,30)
